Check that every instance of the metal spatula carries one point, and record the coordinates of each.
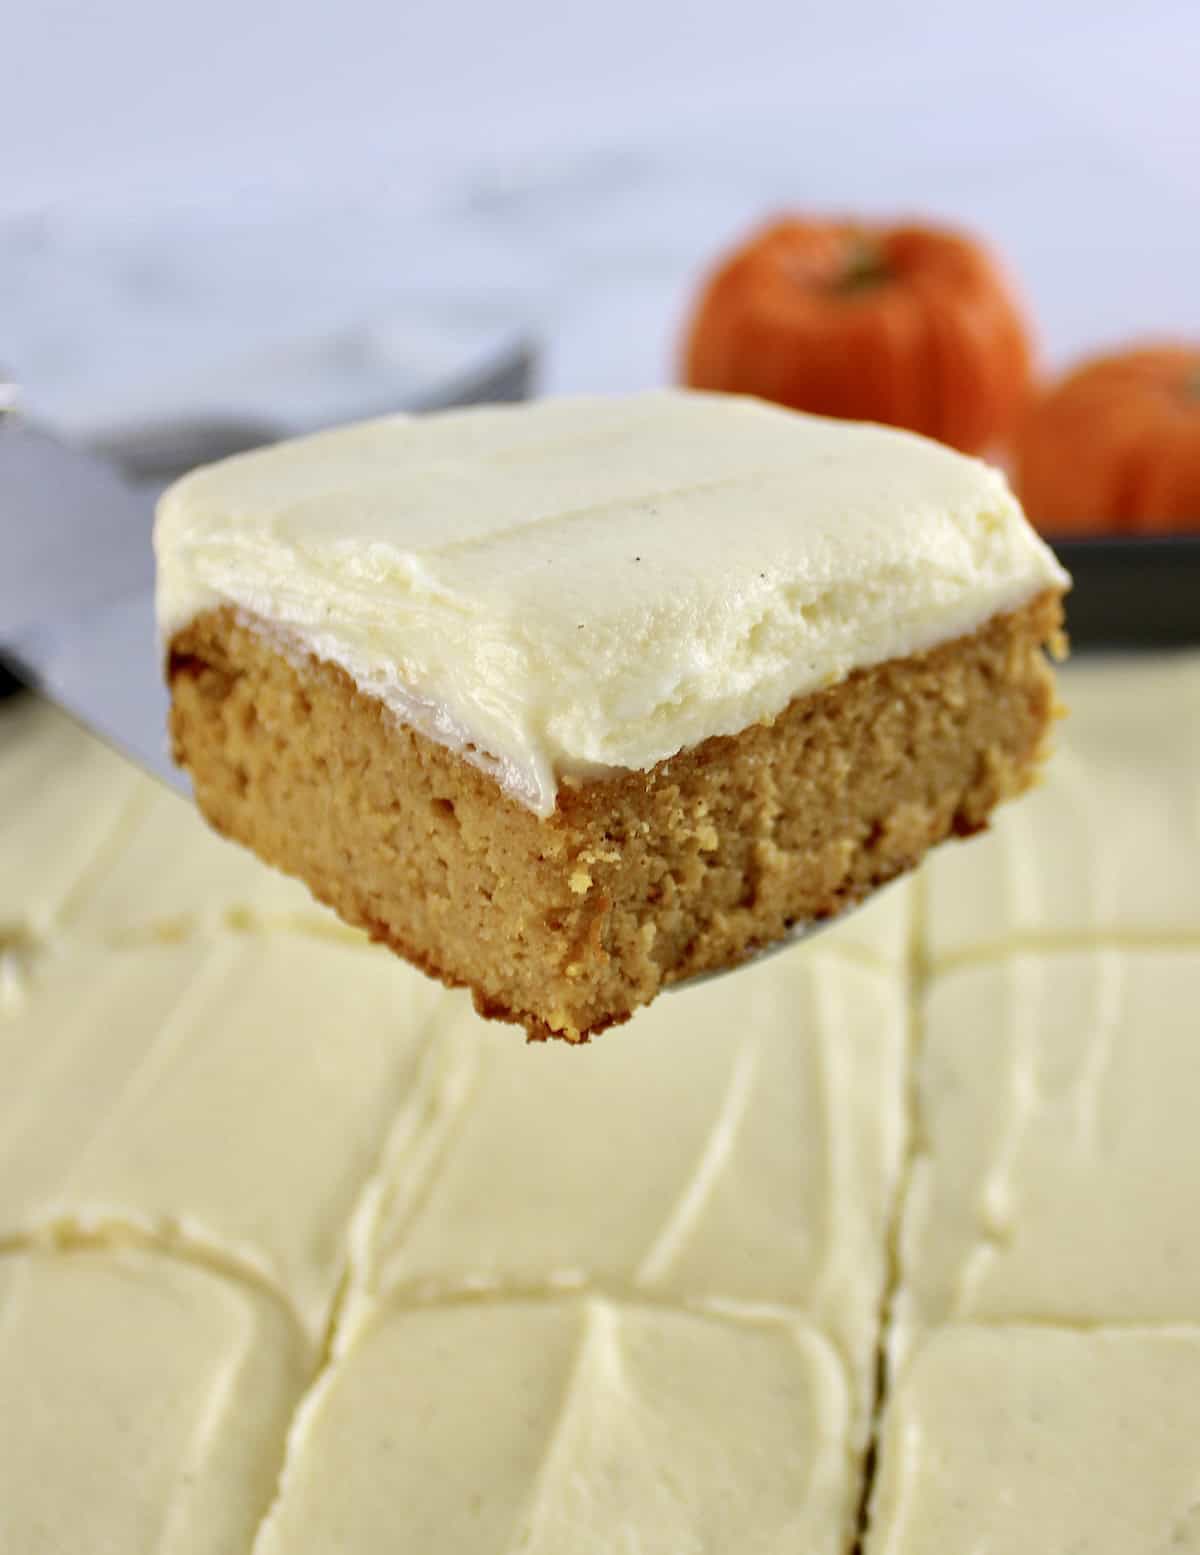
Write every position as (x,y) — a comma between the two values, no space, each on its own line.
(76,590)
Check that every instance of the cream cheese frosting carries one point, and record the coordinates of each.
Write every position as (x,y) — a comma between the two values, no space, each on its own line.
(1013,1440)
(145,1403)
(1108,844)
(1057,1102)
(63,796)
(570,1426)
(230,1098)
(741,1150)
(579,586)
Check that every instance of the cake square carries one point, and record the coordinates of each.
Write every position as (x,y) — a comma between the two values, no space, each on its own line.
(1013,1440)
(1056,1175)
(233,1099)
(146,1404)
(1109,842)
(554,1426)
(570,701)
(741,1152)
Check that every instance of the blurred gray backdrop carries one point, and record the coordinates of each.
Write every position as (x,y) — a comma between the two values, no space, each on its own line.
(169,171)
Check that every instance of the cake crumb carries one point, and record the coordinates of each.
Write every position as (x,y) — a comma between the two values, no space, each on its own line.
(716,851)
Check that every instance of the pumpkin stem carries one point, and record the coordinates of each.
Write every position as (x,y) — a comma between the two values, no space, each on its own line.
(865,267)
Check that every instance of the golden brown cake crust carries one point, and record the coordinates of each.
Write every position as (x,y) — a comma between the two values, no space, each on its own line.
(566,925)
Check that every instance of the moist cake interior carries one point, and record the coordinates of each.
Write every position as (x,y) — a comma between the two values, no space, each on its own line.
(568,924)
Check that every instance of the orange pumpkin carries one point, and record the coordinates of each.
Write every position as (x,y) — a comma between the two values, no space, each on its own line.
(908,325)
(1116,445)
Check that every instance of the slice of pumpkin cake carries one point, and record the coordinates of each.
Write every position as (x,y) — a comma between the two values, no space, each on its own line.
(569,701)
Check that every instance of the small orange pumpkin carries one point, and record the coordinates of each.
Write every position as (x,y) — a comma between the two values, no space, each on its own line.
(1116,444)
(909,325)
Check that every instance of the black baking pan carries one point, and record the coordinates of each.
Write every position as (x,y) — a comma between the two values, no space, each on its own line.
(1132,591)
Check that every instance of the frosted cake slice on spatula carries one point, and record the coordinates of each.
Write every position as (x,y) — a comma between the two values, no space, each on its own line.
(571,701)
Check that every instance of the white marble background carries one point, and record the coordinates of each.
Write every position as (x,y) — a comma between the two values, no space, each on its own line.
(183,184)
